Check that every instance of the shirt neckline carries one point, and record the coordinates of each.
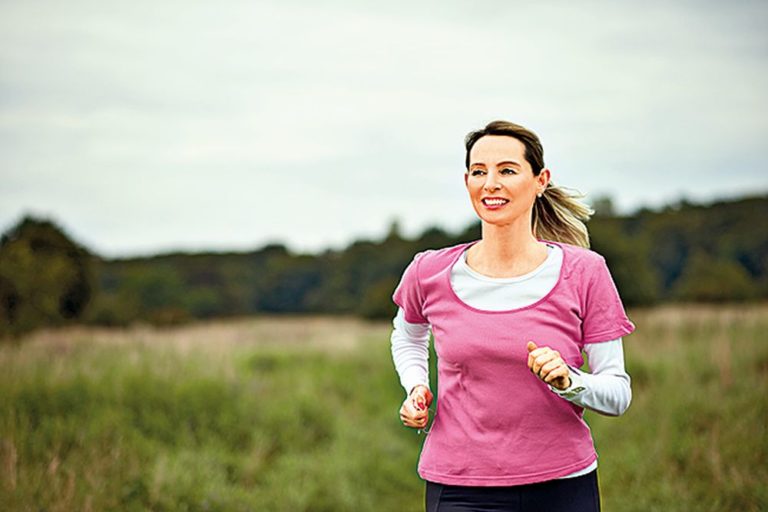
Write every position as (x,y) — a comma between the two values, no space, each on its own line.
(456,298)
(464,267)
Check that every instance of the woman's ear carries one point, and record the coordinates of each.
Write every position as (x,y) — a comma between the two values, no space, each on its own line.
(466,178)
(543,178)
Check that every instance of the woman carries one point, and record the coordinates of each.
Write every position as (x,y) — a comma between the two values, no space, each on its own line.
(511,314)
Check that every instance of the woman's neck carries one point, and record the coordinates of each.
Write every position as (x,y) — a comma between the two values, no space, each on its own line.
(506,251)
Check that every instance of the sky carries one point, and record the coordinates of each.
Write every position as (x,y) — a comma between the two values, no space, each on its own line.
(151,126)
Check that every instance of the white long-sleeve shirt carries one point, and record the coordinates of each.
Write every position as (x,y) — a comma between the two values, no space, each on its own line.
(605,390)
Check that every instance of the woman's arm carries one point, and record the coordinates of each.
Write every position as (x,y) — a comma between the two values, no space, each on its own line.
(410,352)
(607,389)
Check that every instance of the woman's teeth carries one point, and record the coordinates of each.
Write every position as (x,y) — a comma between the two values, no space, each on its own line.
(494,202)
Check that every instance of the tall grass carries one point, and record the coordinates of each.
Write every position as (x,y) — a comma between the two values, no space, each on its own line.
(696,434)
(301,414)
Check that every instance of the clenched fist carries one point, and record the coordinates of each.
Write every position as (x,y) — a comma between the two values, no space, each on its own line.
(547,365)
(414,412)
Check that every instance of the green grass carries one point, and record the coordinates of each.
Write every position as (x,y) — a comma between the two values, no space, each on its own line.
(251,417)
(695,436)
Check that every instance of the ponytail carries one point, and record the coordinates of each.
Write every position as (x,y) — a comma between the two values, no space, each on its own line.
(559,214)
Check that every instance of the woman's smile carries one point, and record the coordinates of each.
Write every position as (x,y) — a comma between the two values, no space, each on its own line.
(494,203)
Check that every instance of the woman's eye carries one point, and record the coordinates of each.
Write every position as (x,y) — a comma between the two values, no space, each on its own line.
(508,171)
(476,172)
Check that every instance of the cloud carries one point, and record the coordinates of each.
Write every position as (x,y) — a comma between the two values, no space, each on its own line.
(153,125)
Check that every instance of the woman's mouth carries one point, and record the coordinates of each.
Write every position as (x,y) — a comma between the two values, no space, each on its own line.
(494,203)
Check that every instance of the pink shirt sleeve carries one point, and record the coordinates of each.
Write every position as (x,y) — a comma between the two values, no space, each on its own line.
(604,318)
(408,293)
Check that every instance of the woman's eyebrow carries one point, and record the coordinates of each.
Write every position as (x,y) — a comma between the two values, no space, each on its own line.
(503,162)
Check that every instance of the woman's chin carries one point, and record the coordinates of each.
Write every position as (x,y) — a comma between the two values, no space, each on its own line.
(500,221)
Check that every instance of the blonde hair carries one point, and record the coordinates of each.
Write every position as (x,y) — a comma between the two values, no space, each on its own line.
(559,214)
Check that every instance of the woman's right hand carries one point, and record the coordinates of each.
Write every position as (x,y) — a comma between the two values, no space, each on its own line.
(414,412)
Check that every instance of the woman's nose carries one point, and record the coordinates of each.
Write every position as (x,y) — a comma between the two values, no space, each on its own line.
(491,184)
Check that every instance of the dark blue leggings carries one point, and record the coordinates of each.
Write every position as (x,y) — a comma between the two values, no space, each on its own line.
(576,494)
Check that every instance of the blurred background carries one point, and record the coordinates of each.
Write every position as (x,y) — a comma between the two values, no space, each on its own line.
(206,208)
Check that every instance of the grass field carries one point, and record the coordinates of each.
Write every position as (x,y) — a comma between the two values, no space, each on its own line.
(300,414)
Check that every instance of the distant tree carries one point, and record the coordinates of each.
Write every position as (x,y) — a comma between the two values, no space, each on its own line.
(628,260)
(394,233)
(603,206)
(472,232)
(9,303)
(377,300)
(433,238)
(288,281)
(706,279)
(45,277)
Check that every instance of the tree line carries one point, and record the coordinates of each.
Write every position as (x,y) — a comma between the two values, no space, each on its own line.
(682,252)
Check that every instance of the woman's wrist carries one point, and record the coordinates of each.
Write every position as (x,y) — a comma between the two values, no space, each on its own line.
(414,388)
(575,386)
(566,380)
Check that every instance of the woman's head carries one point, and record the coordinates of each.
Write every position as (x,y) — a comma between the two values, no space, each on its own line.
(534,152)
(556,214)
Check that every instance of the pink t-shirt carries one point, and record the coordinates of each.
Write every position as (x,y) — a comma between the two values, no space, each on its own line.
(496,423)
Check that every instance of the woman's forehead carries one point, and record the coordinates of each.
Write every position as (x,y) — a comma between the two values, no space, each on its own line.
(496,149)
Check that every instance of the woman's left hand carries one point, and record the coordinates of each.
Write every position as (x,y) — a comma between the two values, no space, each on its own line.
(547,365)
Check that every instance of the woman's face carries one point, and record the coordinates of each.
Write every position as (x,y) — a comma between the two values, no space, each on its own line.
(500,180)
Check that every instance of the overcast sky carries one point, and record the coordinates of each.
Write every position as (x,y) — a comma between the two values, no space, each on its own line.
(148,126)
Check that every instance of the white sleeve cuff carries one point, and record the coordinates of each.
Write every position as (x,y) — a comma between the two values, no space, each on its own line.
(576,387)
(607,389)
